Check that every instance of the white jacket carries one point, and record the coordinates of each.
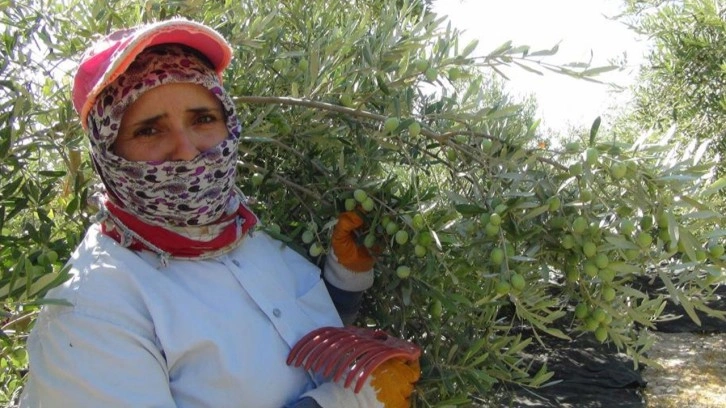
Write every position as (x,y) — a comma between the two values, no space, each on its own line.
(209,333)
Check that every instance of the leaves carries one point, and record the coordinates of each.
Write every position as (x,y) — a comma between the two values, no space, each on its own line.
(715,187)
(598,70)
(683,79)
(593,130)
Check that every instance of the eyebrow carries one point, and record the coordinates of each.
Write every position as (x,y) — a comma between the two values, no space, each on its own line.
(148,121)
(205,109)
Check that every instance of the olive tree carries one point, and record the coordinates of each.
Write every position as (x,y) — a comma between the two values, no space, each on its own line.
(683,78)
(486,241)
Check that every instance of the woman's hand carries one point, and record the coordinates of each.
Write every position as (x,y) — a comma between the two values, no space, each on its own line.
(393,382)
(348,252)
(328,351)
(389,386)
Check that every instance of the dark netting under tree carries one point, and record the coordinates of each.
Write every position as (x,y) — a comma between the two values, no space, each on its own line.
(590,374)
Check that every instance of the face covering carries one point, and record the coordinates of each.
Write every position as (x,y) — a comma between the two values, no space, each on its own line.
(170,193)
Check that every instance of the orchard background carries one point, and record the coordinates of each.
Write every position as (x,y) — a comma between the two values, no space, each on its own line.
(492,234)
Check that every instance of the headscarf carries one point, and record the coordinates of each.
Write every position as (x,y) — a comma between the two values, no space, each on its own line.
(168,193)
(182,196)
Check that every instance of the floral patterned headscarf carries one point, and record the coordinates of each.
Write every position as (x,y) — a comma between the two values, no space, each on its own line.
(165,193)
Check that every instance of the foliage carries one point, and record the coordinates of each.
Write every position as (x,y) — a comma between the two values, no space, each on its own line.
(684,78)
(42,181)
(487,240)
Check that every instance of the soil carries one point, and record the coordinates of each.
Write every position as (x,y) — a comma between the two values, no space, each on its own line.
(692,372)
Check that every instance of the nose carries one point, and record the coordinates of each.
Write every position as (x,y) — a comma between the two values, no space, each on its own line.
(184,146)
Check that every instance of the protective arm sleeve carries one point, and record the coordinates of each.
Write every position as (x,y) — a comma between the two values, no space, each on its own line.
(306,402)
(78,360)
(347,301)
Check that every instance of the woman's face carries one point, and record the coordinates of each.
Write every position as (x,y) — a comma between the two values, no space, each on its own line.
(171,122)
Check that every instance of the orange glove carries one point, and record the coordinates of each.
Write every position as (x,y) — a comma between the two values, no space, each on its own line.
(330,350)
(393,382)
(389,386)
(351,255)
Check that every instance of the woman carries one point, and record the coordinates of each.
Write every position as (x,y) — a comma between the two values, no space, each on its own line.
(175,300)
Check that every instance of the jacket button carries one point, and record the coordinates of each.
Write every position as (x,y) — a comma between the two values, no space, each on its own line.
(235,262)
(276,312)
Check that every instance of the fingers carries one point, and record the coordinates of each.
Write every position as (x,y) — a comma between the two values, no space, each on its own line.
(394,382)
(348,222)
(351,255)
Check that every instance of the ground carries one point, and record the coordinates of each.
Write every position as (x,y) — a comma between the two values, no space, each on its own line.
(692,372)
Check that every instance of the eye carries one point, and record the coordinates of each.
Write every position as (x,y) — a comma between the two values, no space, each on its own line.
(205,118)
(145,131)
